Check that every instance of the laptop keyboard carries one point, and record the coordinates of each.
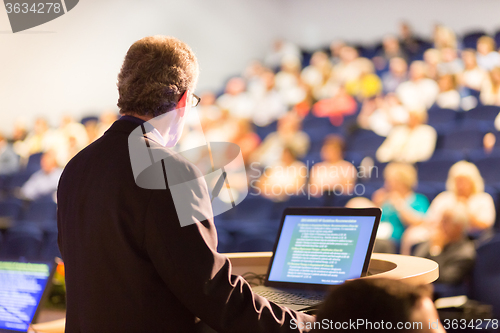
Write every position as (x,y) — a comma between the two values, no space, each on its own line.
(296,298)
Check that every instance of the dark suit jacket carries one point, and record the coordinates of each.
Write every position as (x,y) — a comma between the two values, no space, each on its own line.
(131,267)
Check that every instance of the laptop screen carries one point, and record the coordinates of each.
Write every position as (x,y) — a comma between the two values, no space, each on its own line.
(21,288)
(318,249)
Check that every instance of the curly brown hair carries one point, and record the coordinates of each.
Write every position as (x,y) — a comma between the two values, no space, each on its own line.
(156,71)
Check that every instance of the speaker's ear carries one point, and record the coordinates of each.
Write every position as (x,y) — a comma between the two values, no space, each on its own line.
(28,14)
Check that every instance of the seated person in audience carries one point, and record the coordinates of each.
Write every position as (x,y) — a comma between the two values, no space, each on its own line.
(397,74)
(36,141)
(401,206)
(410,143)
(381,114)
(246,139)
(487,57)
(106,119)
(473,76)
(490,91)
(464,187)
(448,97)
(335,48)
(285,178)
(281,49)
(339,105)
(269,103)
(450,247)
(68,139)
(444,37)
(390,49)
(347,69)
(367,84)
(43,182)
(334,174)
(420,92)
(450,63)
(288,82)
(376,301)
(432,58)
(316,75)
(236,100)
(288,134)
(408,41)
(9,161)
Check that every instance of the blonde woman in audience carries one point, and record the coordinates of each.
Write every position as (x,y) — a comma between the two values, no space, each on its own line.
(473,76)
(316,75)
(444,37)
(464,187)
(487,56)
(410,143)
(490,92)
(401,206)
(448,97)
(432,58)
(285,178)
(334,174)
(420,92)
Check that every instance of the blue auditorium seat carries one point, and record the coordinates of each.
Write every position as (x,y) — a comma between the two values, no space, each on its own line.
(484,113)
(41,210)
(23,240)
(33,164)
(50,248)
(264,131)
(486,275)
(497,37)
(469,40)
(438,116)
(364,142)
(434,170)
(490,169)
(11,208)
(463,139)
(16,180)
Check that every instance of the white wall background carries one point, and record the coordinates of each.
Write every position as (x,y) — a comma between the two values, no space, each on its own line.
(70,65)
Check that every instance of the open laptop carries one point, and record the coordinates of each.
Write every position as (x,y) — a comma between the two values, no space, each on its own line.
(23,288)
(317,248)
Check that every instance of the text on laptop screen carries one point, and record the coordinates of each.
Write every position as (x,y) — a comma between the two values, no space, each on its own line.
(321,249)
(21,288)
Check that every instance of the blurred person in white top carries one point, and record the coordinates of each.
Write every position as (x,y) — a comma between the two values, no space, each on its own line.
(473,76)
(44,181)
(448,97)
(288,82)
(420,92)
(410,143)
(487,57)
(236,100)
(490,91)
